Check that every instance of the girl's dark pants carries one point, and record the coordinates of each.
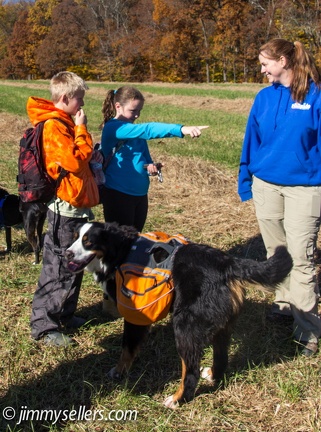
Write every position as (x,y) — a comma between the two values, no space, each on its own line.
(123,208)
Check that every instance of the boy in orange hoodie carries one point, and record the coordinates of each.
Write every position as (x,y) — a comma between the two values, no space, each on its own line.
(66,144)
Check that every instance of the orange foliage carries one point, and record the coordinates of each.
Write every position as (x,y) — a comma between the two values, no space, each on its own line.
(141,40)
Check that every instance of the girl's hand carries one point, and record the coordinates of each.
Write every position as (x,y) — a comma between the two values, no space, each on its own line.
(151,169)
(193,131)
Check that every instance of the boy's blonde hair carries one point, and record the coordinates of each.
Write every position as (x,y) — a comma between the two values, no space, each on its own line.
(66,83)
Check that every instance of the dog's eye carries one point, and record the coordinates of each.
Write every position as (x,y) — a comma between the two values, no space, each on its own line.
(76,235)
(86,242)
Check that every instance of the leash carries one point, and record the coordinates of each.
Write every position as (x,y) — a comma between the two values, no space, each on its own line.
(159,166)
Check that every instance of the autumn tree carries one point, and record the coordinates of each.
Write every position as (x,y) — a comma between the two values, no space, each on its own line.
(66,43)
(17,64)
(139,40)
(179,49)
(114,29)
(10,14)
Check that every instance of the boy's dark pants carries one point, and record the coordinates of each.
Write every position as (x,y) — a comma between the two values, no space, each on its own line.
(56,297)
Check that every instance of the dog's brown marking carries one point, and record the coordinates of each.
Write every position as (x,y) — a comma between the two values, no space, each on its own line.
(237,295)
(179,393)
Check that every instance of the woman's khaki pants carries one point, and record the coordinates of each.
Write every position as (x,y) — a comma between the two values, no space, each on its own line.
(290,216)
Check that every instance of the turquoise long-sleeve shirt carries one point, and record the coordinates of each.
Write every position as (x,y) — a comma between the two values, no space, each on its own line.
(282,143)
(125,172)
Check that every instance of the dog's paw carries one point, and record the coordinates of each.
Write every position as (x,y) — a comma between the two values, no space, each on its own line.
(114,375)
(171,403)
(206,373)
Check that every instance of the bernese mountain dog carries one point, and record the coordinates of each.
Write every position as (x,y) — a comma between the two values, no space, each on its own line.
(208,296)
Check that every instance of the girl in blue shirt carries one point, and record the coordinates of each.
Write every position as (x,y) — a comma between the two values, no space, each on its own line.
(124,196)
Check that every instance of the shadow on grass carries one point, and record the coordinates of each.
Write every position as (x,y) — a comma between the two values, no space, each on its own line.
(80,381)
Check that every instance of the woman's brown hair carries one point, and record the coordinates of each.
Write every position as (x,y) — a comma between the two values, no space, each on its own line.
(299,60)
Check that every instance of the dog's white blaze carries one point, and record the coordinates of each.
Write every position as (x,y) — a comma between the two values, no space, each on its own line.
(80,254)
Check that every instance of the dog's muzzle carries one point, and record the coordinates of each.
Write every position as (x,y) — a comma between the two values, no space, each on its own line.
(77,266)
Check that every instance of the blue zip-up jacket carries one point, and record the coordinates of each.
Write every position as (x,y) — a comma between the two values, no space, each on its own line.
(282,143)
(125,172)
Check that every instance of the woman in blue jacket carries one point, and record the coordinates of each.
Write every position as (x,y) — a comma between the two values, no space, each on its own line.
(124,197)
(281,169)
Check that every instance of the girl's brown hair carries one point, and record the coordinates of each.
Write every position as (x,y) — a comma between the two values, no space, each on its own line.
(122,95)
(299,60)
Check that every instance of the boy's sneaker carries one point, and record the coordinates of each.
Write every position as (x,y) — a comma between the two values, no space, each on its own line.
(58,339)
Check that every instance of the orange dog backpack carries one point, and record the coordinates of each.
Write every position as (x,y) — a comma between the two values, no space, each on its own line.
(144,281)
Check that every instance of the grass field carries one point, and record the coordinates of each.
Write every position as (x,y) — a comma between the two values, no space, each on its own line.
(267,388)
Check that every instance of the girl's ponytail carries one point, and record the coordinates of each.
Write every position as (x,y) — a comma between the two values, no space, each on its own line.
(108,109)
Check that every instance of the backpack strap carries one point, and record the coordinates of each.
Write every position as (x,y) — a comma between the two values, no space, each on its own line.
(63,172)
(114,150)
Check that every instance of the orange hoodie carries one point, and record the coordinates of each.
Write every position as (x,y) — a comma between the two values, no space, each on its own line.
(68,146)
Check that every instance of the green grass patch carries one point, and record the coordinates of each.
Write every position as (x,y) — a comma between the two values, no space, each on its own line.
(14,99)
(219,91)
(220,143)
(267,387)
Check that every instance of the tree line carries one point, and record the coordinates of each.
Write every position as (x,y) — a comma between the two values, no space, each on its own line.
(150,40)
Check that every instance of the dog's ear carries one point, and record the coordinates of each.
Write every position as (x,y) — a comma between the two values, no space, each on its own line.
(129,231)
(121,231)
(115,242)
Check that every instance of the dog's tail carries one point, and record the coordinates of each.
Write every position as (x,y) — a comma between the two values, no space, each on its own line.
(267,273)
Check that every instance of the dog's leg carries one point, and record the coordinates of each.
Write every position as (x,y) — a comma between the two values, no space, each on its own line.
(220,350)
(190,350)
(8,239)
(189,380)
(133,338)
(220,360)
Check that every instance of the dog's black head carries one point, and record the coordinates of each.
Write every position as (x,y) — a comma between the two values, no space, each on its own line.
(100,247)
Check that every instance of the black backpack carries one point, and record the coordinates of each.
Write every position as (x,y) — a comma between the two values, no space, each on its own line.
(34,183)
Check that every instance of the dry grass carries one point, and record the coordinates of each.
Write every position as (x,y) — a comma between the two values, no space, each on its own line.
(267,387)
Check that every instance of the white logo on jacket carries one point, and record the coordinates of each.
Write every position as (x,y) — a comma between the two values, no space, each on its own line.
(299,106)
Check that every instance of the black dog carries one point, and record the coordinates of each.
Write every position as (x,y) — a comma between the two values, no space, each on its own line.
(34,216)
(209,292)
(9,214)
